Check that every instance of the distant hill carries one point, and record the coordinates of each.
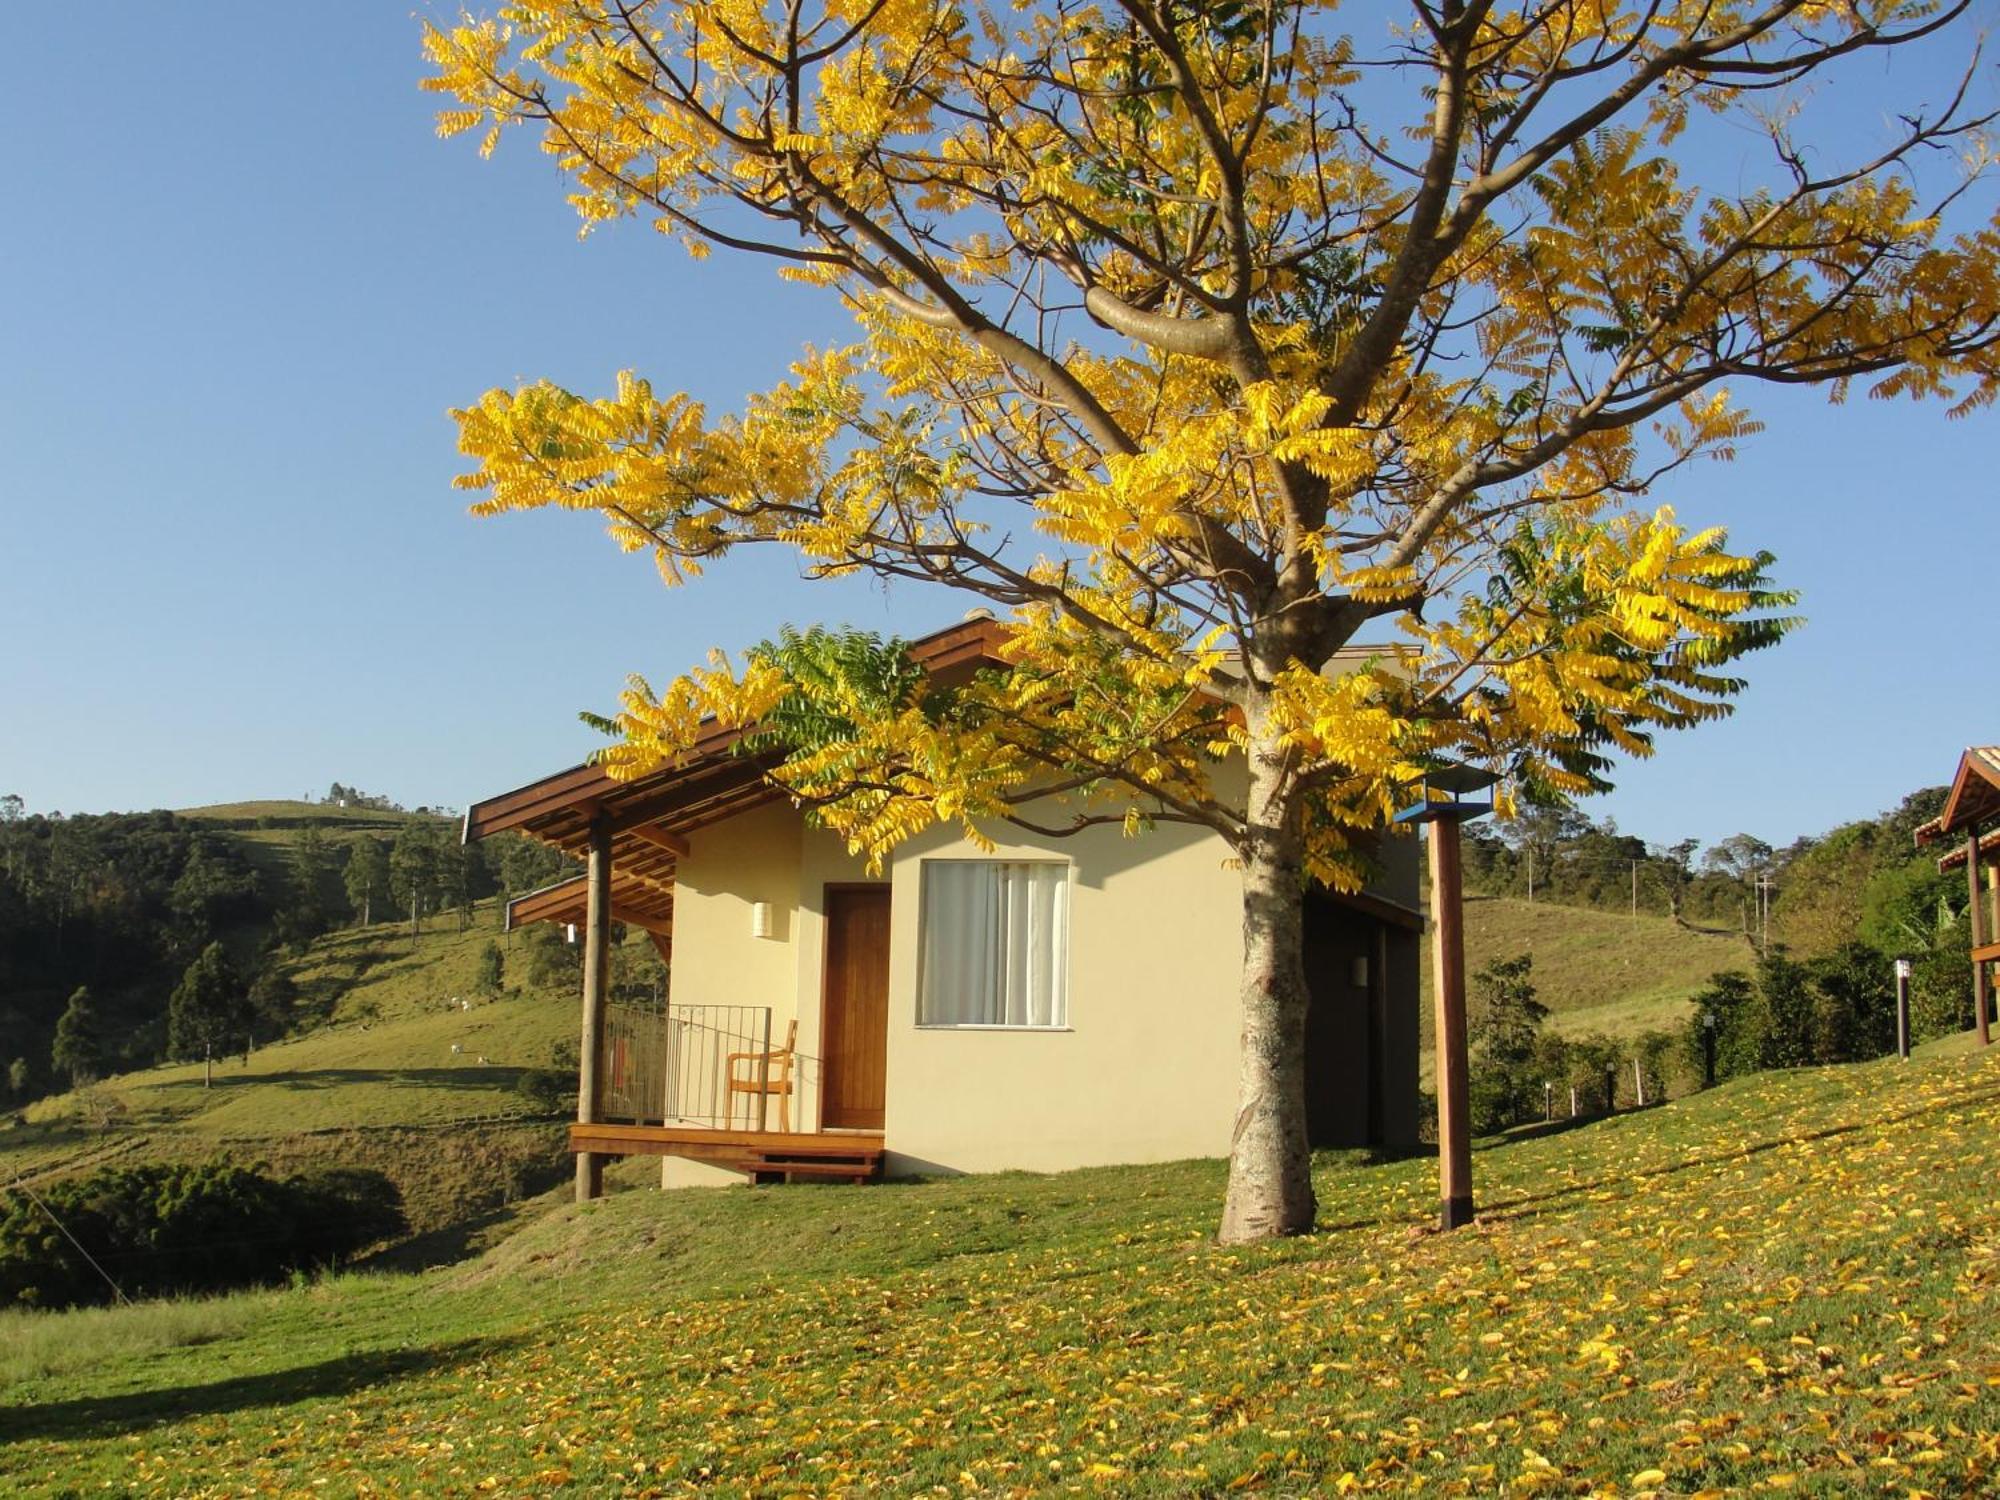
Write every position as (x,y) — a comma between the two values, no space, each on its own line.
(122,904)
(1602,971)
(287,814)
(409,1071)
(1598,972)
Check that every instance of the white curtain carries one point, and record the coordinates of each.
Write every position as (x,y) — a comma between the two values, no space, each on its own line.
(995,943)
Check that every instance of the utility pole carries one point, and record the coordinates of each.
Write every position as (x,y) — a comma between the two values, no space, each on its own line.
(1635,887)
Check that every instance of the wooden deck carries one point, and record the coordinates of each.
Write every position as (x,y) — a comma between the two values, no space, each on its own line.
(765,1155)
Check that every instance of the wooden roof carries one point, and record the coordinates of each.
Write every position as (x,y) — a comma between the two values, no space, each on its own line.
(1989,851)
(1975,791)
(652,816)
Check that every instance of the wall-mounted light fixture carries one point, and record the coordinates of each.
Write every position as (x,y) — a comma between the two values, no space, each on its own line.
(569,933)
(761,920)
(1359,974)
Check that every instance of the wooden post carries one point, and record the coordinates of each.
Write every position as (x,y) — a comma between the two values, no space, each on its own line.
(764,1075)
(1903,1009)
(596,980)
(1639,1082)
(1448,960)
(1992,915)
(1978,920)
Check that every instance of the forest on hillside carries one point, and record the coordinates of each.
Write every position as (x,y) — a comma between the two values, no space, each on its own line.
(1863,893)
(123,935)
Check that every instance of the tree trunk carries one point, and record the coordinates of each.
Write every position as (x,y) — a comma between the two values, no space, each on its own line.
(1270,1165)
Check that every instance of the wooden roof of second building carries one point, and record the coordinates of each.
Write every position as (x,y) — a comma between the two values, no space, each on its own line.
(650,817)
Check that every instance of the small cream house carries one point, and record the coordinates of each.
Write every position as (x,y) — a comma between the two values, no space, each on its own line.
(1052,1002)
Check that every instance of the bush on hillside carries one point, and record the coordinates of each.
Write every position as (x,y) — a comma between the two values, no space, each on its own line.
(176,1227)
(1504,1024)
(1788,1014)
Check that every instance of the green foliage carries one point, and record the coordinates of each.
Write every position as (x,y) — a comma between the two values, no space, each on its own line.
(552,960)
(272,999)
(213,889)
(491,977)
(525,864)
(838,677)
(78,1051)
(1503,1024)
(553,1088)
(180,1227)
(208,1010)
(1941,982)
(366,876)
(1791,1013)
(20,1077)
(413,869)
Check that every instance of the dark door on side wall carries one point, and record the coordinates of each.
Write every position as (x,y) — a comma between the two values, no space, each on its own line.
(856,1030)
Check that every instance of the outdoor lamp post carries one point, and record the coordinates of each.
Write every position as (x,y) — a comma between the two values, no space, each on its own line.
(1708,1023)
(1903,971)
(1444,803)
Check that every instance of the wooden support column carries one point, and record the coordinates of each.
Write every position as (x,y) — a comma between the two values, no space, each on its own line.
(1979,937)
(1448,960)
(596,983)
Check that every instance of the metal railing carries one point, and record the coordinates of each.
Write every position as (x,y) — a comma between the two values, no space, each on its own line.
(671,1065)
(634,1065)
(702,1040)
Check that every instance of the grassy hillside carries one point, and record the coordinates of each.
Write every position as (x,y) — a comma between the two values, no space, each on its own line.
(1790,1282)
(283,811)
(397,1074)
(1595,970)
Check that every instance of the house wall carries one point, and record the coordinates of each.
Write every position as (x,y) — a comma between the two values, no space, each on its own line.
(767,854)
(1145,1069)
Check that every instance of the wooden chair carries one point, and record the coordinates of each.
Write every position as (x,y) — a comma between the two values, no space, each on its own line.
(768,1073)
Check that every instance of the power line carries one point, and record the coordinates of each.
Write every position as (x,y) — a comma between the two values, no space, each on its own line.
(35,1198)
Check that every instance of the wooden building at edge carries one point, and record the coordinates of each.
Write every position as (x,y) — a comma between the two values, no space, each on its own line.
(1970,826)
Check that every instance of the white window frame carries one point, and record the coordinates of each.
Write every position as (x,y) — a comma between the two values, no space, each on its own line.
(1059,963)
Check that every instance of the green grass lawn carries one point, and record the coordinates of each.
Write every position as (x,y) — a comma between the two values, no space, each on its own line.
(1791,1282)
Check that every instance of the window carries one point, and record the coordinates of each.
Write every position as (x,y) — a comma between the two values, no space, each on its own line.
(994,943)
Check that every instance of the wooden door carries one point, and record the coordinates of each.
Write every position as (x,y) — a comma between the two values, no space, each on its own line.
(855,1037)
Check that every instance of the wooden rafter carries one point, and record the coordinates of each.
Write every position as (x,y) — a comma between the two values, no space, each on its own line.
(652,833)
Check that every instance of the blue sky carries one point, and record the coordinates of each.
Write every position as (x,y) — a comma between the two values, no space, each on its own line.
(241,283)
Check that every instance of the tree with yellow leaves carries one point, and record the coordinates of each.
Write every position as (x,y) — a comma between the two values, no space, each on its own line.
(1202,338)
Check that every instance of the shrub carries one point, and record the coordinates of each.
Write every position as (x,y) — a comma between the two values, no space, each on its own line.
(550,1090)
(184,1227)
(1503,1027)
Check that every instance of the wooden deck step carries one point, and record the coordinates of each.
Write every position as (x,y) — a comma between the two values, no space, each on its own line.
(764,1155)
